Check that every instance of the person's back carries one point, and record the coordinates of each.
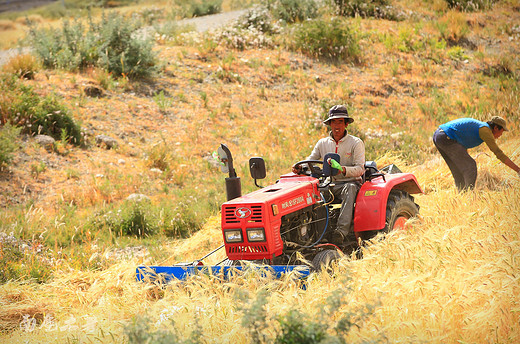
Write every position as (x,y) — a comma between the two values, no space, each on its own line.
(465,131)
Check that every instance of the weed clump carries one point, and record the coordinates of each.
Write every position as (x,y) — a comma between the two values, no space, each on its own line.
(131,219)
(20,260)
(22,107)
(23,66)
(8,146)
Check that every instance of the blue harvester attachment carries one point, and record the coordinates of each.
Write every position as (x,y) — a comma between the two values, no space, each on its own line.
(182,272)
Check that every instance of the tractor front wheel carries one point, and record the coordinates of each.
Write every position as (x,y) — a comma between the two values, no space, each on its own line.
(323,260)
(400,207)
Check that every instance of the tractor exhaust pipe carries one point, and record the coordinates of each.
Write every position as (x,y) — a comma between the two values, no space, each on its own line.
(233,184)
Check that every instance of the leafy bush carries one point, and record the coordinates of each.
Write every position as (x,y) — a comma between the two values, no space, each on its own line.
(8,146)
(327,39)
(470,5)
(22,107)
(292,11)
(113,44)
(364,8)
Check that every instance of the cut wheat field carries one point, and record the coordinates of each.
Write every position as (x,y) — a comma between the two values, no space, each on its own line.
(68,269)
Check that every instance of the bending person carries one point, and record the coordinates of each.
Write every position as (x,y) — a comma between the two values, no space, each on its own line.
(453,139)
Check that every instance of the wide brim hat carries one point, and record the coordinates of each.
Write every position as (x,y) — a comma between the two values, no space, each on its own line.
(499,121)
(338,111)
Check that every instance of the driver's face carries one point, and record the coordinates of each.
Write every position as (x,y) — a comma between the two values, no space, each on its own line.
(338,126)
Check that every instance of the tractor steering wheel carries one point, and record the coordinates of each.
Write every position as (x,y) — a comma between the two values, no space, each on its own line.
(313,171)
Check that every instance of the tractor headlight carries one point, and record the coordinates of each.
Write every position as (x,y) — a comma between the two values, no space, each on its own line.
(233,235)
(255,234)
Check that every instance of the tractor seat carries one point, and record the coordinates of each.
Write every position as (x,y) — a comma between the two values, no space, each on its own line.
(370,169)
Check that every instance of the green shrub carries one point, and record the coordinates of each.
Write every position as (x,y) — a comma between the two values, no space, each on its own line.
(54,119)
(71,47)
(121,51)
(8,136)
(198,8)
(364,8)
(328,39)
(470,5)
(292,11)
(22,107)
(113,44)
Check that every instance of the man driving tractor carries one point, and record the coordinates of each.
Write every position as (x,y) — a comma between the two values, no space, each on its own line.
(346,183)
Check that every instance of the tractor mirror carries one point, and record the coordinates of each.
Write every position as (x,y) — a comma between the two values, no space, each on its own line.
(224,159)
(257,168)
(327,169)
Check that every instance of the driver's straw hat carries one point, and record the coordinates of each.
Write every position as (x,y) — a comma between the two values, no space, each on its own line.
(338,111)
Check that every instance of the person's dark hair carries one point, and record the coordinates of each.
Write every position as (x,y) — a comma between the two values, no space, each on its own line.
(494,125)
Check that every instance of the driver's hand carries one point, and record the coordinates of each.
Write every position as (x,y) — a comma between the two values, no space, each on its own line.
(296,169)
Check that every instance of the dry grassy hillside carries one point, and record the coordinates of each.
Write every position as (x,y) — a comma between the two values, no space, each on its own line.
(452,278)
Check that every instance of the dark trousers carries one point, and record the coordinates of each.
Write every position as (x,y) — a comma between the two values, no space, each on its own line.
(346,192)
(461,164)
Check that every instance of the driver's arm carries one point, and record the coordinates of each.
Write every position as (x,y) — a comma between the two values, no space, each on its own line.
(358,162)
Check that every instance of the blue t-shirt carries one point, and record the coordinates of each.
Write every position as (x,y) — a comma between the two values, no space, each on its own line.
(464,131)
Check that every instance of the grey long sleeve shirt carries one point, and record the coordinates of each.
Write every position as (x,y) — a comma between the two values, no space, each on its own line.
(351,150)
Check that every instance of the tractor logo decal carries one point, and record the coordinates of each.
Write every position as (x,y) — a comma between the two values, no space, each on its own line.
(370,192)
(242,213)
(293,202)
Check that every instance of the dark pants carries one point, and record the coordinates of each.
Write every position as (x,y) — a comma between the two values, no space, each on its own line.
(461,164)
(346,192)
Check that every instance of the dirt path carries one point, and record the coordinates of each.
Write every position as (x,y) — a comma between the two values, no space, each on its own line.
(213,21)
(201,24)
(21,5)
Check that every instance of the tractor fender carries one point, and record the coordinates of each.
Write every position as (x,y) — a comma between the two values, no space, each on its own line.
(372,198)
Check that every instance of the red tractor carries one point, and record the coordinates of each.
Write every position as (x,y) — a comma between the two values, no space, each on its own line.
(289,224)
(291,221)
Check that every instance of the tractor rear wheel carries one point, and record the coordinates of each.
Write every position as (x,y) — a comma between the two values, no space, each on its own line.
(324,259)
(400,207)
